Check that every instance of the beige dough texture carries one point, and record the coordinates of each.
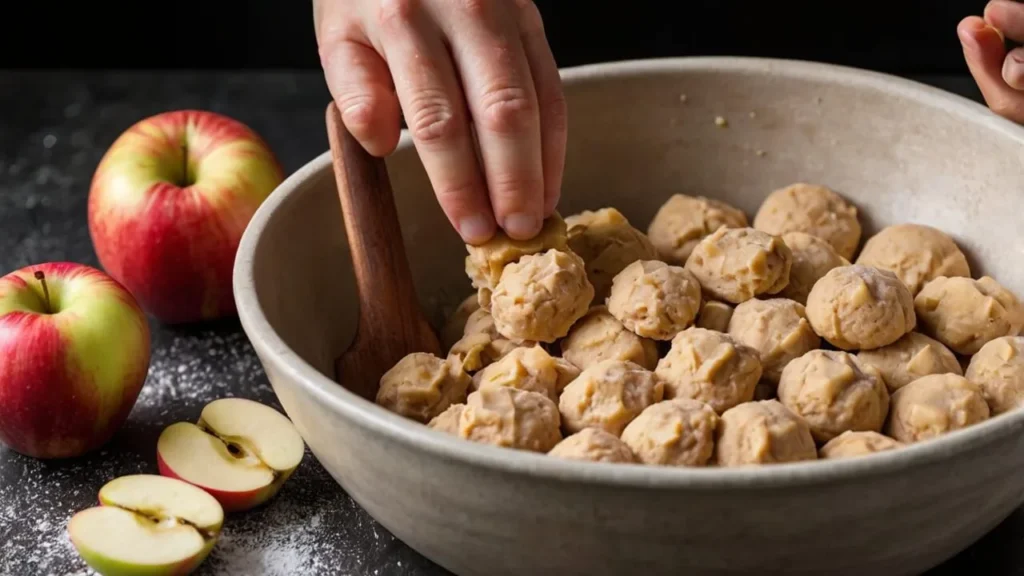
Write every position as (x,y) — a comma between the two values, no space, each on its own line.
(833,392)
(814,209)
(455,328)
(678,432)
(909,358)
(654,299)
(998,370)
(530,369)
(481,344)
(448,421)
(600,336)
(711,367)
(683,221)
(965,314)
(608,395)
(859,308)
(736,264)
(594,445)
(812,259)
(511,418)
(421,386)
(850,444)
(934,405)
(764,432)
(916,253)
(777,328)
(714,315)
(541,296)
(607,242)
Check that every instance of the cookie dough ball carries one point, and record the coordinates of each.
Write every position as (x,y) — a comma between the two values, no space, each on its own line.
(833,392)
(850,444)
(711,367)
(511,418)
(600,336)
(859,307)
(813,209)
(421,386)
(965,314)
(455,328)
(998,370)
(909,358)
(934,405)
(737,264)
(594,445)
(448,421)
(683,221)
(764,432)
(812,259)
(679,432)
(541,296)
(714,315)
(485,262)
(654,299)
(777,328)
(607,243)
(608,395)
(481,344)
(915,253)
(530,369)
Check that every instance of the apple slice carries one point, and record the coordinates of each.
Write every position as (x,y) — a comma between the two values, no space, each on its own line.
(241,452)
(147,524)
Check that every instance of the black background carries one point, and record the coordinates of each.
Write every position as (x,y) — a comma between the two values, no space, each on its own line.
(900,36)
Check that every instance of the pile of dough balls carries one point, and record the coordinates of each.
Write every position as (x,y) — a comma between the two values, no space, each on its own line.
(714,339)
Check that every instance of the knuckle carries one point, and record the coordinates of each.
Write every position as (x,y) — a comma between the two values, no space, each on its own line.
(512,191)
(476,9)
(458,195)
(358,110)
(433,118)
(507,109)
(397,13)
(556,112)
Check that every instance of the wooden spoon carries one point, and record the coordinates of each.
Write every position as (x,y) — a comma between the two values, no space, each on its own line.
(391,323)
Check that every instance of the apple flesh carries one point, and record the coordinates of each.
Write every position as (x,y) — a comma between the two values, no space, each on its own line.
(147,524)
(168,205)
(240,451)
(74,353)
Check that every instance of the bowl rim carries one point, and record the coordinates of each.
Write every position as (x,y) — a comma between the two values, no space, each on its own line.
(284,361)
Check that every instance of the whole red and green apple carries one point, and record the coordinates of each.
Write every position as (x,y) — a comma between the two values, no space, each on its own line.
(74,353)
(168,205)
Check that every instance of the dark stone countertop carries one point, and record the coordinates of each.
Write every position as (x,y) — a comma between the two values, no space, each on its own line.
(55,128)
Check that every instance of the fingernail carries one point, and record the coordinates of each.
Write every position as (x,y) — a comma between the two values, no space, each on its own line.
(521,225)
(475,228)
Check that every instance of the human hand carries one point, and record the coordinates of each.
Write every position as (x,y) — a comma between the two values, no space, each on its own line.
(999,74)
(480,93)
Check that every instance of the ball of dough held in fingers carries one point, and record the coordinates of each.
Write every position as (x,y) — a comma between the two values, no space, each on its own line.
(777,328)
(655,300)
(421,386)
(833,392)
(608,395)
(965,314)
(683,221)
(600,336)
(678,432)
(541,296)
(916,253)
(859,308)
(594,445)
(998,370)
(711,367)
(737,264)
(486,262)
(814,209)
(934,405)
(607,242)
(850,444)
(530,369)
(909,358)
(812,259)
(510,418)
(763,432)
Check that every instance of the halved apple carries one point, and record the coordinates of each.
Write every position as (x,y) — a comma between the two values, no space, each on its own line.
(147,525)
(240,451)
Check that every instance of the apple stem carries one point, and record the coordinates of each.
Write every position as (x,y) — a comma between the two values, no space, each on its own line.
(46,291)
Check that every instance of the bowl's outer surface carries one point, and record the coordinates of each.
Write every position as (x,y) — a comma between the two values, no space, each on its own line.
(901,151)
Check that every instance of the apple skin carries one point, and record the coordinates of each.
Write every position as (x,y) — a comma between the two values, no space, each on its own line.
(69,379)
(232,501)
(168,204)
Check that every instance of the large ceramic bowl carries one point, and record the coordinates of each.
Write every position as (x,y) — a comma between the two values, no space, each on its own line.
(903,152)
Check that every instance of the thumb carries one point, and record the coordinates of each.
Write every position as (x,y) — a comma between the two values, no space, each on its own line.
(984,52)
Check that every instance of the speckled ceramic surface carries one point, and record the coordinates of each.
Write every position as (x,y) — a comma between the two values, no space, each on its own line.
(640,131)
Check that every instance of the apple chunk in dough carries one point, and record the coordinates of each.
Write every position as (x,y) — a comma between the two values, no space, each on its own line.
(147,524)
(240,451)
